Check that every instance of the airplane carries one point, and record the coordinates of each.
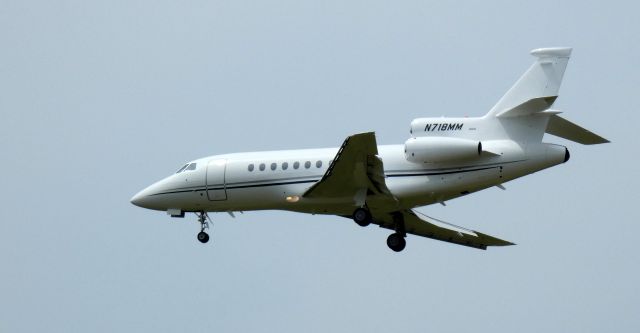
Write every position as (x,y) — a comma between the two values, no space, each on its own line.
(444,158)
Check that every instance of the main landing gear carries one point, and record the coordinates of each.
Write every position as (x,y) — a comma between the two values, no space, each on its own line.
(362,217)
(396,241)
(203,237)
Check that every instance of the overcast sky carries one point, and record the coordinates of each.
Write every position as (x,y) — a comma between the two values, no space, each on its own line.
(99,99)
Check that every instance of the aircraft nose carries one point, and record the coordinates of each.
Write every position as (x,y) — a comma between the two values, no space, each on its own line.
(146,198)
(150,197)
(139,199)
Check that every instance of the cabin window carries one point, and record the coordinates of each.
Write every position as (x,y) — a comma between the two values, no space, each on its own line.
(274,166)
(307,165)
(296,165)
(250,168)
(319,164)
(285,166)
(262,166)
(191,166)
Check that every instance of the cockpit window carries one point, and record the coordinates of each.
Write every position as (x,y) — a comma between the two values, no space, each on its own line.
(182,169)
(188,166)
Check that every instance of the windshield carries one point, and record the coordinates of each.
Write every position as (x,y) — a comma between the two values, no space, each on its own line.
(183,167)
(188,166)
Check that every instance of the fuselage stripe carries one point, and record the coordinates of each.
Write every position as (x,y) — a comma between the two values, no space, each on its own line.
(439,173)
(277,182)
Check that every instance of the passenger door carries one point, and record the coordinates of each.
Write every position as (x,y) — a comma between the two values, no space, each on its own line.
(216,187)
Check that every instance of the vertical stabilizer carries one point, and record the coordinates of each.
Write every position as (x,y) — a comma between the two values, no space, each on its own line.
(537,88)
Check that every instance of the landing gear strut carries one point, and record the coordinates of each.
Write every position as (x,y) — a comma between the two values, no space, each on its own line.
(203,237)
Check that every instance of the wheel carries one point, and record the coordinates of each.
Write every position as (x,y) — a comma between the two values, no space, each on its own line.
(203,237)
(362,217)
(396,242)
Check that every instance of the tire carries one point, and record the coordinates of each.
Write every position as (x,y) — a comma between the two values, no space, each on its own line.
(396,242)
(362,217)
(203,237)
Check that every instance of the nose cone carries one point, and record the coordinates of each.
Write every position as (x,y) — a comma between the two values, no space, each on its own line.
(155,196)
(142,199)
(151,197)
(138,199)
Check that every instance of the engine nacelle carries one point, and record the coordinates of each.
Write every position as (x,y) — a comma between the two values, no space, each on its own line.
(434,149)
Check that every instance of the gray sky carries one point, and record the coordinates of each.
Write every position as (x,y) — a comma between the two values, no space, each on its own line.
(100,99)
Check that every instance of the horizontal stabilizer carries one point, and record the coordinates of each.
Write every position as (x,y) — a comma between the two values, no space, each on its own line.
(531,106)
(565,129)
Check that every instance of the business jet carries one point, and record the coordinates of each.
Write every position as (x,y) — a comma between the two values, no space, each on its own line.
(444,158)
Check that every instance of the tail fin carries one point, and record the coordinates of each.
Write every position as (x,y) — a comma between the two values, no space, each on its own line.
(538,87)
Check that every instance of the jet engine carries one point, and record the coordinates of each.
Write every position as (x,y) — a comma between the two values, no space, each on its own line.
(441,149)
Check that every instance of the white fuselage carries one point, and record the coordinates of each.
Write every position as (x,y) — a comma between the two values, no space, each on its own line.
(278,179)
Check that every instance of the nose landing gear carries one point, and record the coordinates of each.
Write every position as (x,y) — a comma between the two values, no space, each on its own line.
(203,219)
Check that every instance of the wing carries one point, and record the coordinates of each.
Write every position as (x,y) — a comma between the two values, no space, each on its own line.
(436,229)
(356,172)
